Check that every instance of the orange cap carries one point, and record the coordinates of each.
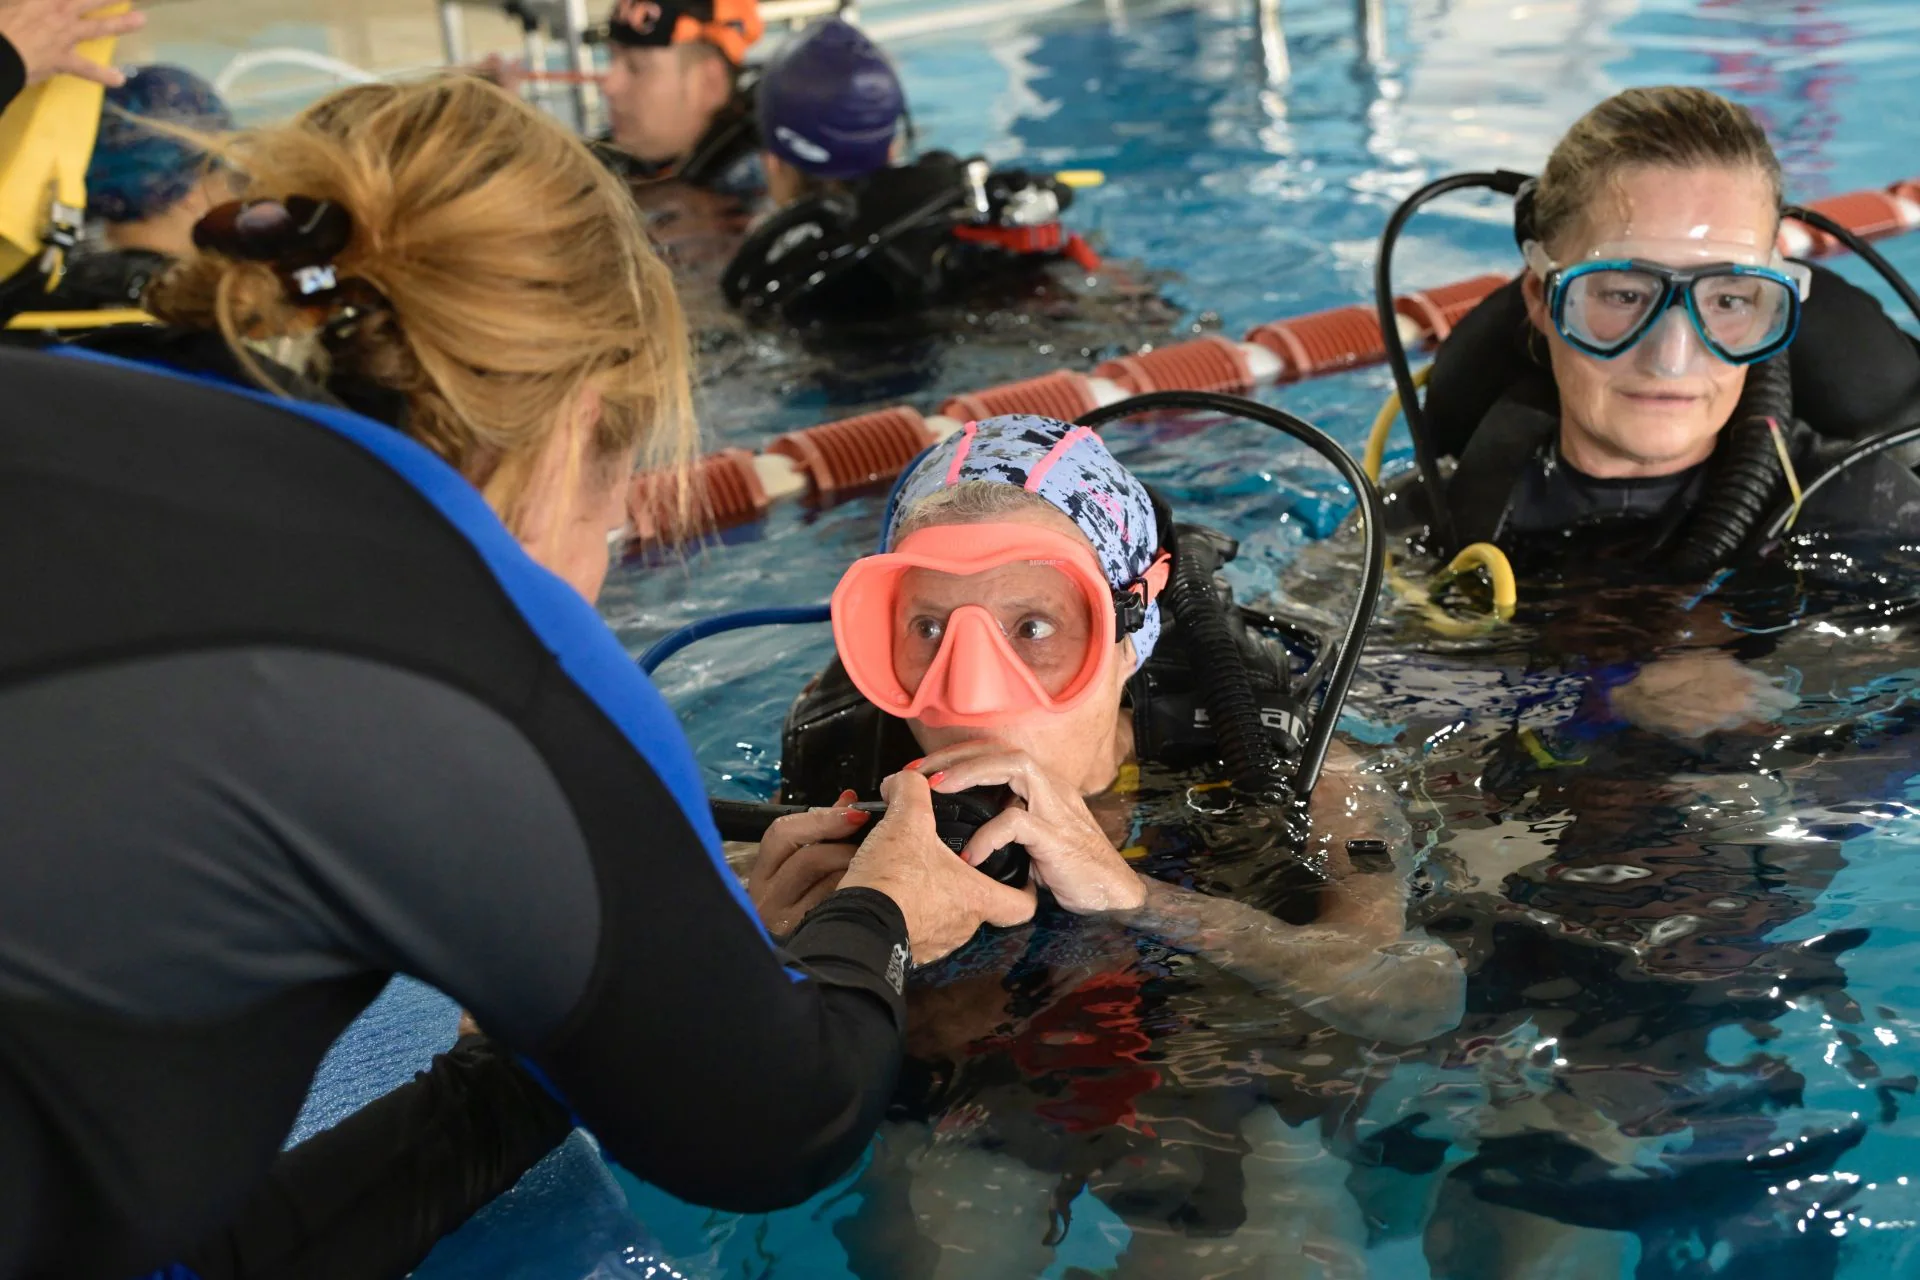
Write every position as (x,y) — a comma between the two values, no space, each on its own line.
(731,26)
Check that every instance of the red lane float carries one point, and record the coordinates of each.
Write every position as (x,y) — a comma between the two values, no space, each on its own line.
(1436,311)
(1063,394)
(841,457)
(723,490)
(836,458)
(1324,342)
(1211,363)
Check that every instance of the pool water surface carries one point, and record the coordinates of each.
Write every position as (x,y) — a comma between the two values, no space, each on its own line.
(1689,1043)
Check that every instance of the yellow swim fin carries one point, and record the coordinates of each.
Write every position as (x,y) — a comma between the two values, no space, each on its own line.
(46,140)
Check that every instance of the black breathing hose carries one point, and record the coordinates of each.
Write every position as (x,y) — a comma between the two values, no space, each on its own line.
(1748,446)
(1743,474)
(1233,710)
(1424,457)
(1250,738)
(1861,249)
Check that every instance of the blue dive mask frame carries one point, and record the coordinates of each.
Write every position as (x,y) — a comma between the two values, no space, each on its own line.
(1676,291)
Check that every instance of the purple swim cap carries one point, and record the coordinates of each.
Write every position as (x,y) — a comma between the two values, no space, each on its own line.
(830,103)
(1069,467)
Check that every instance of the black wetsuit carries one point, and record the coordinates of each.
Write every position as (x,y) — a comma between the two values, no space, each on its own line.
(285,710)
(1541,497)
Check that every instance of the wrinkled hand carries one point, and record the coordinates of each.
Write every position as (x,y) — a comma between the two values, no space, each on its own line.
(801,861)
(1690,695)
(46,32)
(1071,855)
(944,900)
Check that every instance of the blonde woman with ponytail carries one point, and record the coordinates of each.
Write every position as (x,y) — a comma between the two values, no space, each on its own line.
(302,688)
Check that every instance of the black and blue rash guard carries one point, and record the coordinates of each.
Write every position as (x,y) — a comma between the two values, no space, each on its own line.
(284,710)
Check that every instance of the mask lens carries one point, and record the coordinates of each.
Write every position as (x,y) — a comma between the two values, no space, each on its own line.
(1607,309)
(1041,614)
(1741,313)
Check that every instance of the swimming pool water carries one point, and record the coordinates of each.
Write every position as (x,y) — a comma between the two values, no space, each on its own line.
(1727,979)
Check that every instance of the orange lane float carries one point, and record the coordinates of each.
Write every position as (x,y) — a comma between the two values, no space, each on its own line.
(836,459)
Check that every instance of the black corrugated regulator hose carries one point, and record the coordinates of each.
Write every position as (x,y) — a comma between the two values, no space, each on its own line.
(1313,754)
(1743,475)
(1246,750)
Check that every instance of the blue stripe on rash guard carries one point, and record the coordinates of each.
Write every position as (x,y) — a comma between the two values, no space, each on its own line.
(566,624)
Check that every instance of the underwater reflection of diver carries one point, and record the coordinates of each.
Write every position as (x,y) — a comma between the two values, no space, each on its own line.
(1493,406)
(1225,682)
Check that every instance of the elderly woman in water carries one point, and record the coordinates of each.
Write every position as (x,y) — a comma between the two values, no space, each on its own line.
(998,641)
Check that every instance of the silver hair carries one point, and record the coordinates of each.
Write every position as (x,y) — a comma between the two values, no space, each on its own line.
(968,502)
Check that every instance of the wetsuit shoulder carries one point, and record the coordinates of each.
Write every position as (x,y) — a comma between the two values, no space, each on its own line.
(271,587)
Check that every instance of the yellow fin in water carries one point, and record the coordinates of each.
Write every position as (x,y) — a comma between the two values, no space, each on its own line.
(46,140)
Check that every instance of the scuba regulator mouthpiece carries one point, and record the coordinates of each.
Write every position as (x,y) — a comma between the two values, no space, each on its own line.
(955,818)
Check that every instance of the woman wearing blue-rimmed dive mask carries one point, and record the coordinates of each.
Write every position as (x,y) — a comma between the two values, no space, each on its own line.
(1654,341)
(1656,384)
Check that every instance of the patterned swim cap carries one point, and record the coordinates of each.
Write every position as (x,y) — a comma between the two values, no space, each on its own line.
(137,173)
(1068,466)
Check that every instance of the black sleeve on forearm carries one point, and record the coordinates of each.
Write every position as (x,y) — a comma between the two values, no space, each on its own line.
(371,1196)
(706,1068)
(13,73)
(857,939)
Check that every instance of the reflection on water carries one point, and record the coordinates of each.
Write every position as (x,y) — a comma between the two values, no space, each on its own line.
(1687,1045)
(1686,1051)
